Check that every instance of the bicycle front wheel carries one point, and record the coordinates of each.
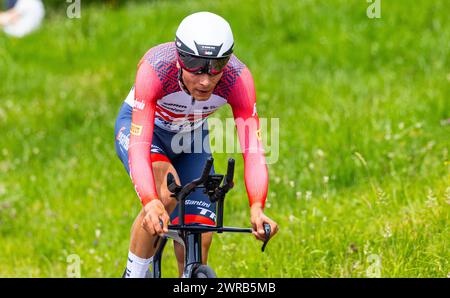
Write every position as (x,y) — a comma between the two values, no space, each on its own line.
(204,271)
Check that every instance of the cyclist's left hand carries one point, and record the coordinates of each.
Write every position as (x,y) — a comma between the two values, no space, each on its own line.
(257,219)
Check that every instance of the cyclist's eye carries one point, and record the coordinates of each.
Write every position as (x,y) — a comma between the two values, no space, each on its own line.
(200,71)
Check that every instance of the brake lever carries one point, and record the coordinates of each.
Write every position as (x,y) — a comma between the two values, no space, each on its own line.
(267,231)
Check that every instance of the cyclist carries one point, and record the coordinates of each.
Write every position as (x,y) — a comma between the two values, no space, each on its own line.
(178,85)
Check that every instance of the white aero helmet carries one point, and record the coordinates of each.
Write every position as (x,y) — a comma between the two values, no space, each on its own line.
(206,35)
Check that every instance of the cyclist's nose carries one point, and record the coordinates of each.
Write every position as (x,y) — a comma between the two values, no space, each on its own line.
(205,79)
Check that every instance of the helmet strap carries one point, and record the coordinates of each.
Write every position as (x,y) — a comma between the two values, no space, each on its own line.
(180,81)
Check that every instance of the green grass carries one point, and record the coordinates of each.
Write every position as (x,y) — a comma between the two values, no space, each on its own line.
(363,167)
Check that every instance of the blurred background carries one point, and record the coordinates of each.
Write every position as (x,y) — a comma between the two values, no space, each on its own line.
(361,187)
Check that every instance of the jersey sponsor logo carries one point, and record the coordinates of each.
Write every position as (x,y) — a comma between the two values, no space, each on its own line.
(156,149)
(207,213)
(174,104)
(136,129)
(172,107)
(123,139)
(198,203)
(210,107)
(139,105)
(177,124)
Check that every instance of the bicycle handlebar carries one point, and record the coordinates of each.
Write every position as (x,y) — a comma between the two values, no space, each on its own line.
(206,170)
(181,192)
(267,231)
(230,171)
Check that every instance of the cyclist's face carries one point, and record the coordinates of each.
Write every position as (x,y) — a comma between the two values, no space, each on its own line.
(201,86)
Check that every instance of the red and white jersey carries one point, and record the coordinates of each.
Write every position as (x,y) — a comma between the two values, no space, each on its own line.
(158,99)
(178,112)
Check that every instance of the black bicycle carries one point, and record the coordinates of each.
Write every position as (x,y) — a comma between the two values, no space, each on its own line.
(189,235)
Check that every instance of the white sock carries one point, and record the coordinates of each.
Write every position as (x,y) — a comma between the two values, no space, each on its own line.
(136,266)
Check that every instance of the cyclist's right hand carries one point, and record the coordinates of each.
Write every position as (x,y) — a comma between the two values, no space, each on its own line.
(155,213)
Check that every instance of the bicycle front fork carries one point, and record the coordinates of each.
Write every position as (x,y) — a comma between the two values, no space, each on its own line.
(192,253)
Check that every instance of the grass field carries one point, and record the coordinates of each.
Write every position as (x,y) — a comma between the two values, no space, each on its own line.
(361,187)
